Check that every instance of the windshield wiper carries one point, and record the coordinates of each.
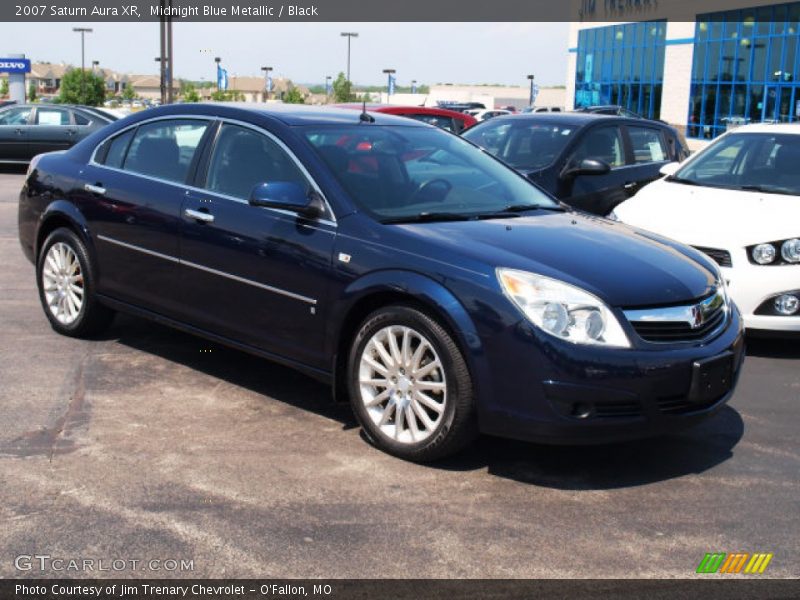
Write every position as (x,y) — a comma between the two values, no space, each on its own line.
(674,179)
(515,208)
(764,189)
(428,217)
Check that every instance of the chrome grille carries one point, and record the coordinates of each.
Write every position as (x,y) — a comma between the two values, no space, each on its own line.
(676,324)
(721,257)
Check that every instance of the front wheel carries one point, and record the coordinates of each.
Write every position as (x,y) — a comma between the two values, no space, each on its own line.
(410,387)
(66,286)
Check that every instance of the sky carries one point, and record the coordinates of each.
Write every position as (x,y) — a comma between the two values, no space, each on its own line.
(431,53)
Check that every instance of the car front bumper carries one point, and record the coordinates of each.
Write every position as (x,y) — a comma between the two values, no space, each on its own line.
(750,286)
(569,394)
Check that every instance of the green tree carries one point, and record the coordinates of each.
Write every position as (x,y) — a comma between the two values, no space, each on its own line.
(82,87)
(227,96)
(128,93)
(32,92)
(3,87)
(189,92)
(343,89)
(294,96)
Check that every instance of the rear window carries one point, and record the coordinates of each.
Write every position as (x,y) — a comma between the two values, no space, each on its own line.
(112,154)
(647,144)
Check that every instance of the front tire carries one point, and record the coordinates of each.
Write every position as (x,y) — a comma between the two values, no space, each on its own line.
(410,387)
(65,276)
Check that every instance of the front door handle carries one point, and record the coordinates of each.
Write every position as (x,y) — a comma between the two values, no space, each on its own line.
(630,185)
(197,215)
(95,189)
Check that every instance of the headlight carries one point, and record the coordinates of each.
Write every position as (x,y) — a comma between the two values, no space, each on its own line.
(562,310)
(764,254)
(790,250)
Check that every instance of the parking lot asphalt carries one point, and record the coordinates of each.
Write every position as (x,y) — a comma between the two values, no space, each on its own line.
(150,444)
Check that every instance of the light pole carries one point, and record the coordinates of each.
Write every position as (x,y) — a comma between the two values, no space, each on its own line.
(389,73)
(83,31)
(95,64)
(530,96)
(163,69)
(413,86)
(328,85)
(267,85)
(349,35)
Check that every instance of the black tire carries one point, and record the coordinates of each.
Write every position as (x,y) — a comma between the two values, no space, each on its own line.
(458,425)
(93,317)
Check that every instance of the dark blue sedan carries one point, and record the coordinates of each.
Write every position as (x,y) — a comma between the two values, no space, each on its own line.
(438,290)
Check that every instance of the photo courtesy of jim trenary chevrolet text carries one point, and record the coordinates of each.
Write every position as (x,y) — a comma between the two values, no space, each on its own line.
(399,300)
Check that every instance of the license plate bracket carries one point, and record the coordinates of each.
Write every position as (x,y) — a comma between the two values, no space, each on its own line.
(712,378)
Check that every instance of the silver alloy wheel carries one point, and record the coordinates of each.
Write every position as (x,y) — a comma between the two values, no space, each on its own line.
(62,282)
(402,384)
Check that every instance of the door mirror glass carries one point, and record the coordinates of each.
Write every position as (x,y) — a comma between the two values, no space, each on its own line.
(669,169)
(286,195)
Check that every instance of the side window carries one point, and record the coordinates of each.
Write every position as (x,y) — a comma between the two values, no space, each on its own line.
(112,154)
(243,158)
(445,123)
(80,119)
(165,149)
(15,116)
(602,143)
(52,116)
(647,144)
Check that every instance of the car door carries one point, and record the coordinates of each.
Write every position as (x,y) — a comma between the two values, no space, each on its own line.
(133,191)
(254,274)
(14,126)
(648,153)
(597,194)
(52,130)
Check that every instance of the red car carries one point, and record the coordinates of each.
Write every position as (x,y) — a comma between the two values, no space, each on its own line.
(449,120)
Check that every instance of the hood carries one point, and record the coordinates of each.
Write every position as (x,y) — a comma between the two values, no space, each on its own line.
(712,217)
(623,266)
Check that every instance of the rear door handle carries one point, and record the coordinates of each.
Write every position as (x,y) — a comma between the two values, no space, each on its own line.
(630,185)
(197,215)
(95,189)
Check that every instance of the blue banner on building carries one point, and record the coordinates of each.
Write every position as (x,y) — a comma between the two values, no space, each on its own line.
(15,65)
(222,78)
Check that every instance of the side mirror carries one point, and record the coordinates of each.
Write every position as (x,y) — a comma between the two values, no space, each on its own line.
(588,166)
(669,169)
(287,195)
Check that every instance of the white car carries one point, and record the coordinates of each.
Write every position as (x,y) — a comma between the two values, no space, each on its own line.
(739,202)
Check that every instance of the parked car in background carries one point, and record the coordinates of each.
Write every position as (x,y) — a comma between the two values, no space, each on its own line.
(739,202)
(541,109)
(609,109)
(486,114)
(461,106)
(7,103)
(449,120)
(30,129)
(591,162)
(439,291)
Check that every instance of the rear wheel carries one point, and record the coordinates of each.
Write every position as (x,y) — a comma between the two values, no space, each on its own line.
(66,286)
(409,385)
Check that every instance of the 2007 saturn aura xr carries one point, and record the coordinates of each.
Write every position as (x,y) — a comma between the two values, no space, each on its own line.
(436,288)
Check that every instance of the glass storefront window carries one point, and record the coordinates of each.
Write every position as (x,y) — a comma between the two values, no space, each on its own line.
(618,64)
(756,49)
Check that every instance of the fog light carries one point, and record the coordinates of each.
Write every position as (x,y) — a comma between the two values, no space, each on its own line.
(581,410)
(787,304)
(764,254)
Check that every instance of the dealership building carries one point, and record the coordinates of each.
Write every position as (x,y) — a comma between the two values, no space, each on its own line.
(736,62)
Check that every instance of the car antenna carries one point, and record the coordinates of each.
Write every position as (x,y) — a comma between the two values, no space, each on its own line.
(365,117)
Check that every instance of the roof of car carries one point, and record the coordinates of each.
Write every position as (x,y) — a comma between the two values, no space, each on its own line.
(299,114)
(793,128)
(574,119)
(397,109)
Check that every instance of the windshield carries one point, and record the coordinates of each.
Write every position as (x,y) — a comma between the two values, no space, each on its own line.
(764,162)
(524,144)
(394,173)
